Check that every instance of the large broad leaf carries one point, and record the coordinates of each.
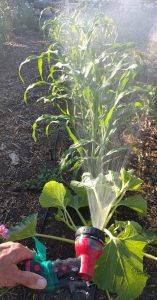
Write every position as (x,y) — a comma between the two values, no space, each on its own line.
(53,195)
(129,180)
(123,180)
(129,228)
(78,202)
(120,268)
(27,228)
(81,198)
(150,236)
(137,203)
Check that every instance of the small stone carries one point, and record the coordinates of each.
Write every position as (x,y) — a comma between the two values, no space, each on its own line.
(14,158)
(2,146)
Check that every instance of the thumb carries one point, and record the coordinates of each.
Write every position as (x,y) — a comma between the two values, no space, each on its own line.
(31,280)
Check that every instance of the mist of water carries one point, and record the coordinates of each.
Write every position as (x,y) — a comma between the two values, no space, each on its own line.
(100,199)
(100,194)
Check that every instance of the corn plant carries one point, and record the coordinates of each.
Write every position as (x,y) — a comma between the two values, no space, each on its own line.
(92,80)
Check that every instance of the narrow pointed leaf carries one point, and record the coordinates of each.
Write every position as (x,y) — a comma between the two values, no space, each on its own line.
(40,67)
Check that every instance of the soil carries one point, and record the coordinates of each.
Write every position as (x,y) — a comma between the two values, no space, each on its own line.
(22,159)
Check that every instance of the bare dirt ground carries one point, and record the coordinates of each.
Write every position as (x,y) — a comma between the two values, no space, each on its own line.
(22,159)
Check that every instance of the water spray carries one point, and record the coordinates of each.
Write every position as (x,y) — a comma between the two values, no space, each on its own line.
(74,274)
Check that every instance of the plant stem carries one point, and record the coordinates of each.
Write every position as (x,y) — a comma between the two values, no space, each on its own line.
(55,238)
(108,295)
(149,256)
(114,207)
(81,217)
(72,223)
(66,221)
(108,233)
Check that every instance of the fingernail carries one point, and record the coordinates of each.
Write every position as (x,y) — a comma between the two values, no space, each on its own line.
(41,283)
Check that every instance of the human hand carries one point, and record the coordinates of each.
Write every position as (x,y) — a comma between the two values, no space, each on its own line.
(10,275)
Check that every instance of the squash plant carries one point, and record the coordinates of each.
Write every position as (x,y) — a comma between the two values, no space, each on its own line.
(120,269)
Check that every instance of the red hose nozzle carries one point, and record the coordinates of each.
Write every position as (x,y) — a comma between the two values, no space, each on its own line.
(89,247)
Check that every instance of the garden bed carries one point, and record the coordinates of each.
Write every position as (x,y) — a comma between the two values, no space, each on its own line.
(22,159)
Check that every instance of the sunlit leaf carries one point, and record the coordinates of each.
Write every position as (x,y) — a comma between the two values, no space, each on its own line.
(138,104)
(129,180)
(40,67)
(53,195)
(71,134)
(32,86)
(27,60)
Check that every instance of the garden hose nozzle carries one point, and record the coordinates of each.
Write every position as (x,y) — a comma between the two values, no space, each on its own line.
(89,247)
(73,274)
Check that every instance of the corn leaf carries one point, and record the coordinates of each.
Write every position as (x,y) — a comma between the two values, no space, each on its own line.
(40,67)
(32,86)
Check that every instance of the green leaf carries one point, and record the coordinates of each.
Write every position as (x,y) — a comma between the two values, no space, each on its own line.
(53,195)
(129,180)
(81,198)
(27,60)
(68,198)
(87,69)
(138,104)
(48,119)
(150,236)
(79,188)
(25,229)
(59,216)
(129,228)
(120,268)
(71,134)
(116,150)
(34,127)
(137,203)
(33,85)
(109,116)
(78,202)
(74,148)
(40,67)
